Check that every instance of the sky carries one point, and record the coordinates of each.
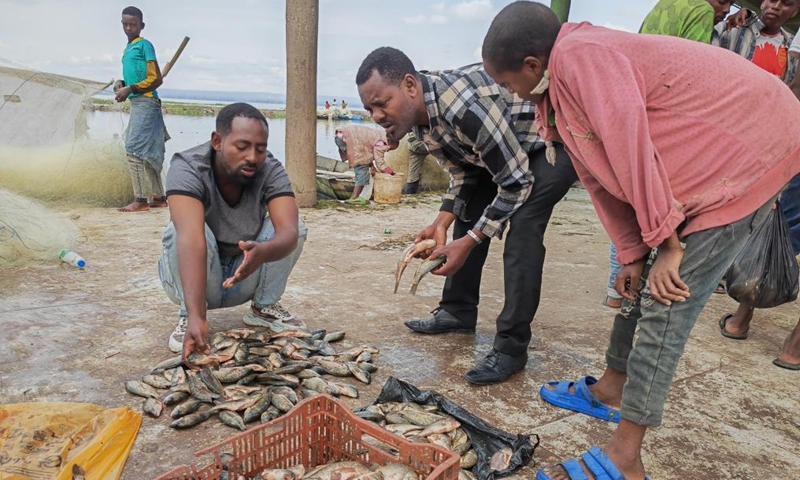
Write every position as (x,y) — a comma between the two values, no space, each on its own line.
(240,45)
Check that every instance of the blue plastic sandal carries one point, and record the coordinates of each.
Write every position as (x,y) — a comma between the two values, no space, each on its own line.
(596,461)
(582,401)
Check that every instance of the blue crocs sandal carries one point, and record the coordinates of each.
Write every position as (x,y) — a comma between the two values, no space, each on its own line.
(596,461)
(582,401)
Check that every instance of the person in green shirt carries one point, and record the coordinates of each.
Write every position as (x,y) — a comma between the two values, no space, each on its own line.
(146,133)
(689,19)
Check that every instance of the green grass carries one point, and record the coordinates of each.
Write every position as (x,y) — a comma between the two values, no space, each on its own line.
(179,108)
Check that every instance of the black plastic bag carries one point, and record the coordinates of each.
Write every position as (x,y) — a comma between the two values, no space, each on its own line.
(765,273)
(486,439)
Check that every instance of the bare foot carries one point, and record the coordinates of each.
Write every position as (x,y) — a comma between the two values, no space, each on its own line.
(135,206)
(158,203)
(790,353)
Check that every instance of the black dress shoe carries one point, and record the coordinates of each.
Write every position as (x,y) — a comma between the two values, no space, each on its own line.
(497,367)
(440,322)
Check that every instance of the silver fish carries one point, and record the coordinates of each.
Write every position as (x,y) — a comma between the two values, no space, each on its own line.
(168,364)
(231,419)
(423,269)
(442,426)
(346,390)
(210,381)
(271,414)
(156,381)
(281,402)
(469,459)
(334,337)
(362,375)
(199,390)
(185,408)
(140,389)
(191,420)
(175,398)
(153,407)
(259,407)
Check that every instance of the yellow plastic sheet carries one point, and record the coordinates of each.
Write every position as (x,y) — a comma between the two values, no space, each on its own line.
(59,441)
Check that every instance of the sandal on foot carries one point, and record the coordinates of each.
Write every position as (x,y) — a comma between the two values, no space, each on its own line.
(788,366)
(725,333)
(597,462)
(582,401)
(721,288)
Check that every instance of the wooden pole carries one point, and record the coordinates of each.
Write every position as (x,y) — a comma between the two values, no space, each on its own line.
(175,57)
(561,8)
(302,24)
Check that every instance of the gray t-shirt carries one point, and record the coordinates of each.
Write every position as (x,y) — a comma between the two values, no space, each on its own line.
(190,173)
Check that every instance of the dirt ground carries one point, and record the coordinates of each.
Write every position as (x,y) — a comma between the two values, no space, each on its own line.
(77,336)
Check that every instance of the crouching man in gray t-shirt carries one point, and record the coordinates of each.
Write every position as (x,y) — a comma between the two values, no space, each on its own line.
(235,234)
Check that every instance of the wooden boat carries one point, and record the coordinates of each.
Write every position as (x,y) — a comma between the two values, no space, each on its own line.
(335,179)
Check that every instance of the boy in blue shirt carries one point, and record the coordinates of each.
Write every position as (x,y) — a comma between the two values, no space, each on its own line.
(146,134)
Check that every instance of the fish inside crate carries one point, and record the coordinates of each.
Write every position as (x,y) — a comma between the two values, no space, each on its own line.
(320,432)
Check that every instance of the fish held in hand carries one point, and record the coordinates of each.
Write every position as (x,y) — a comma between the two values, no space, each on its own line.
(408,255)
(423,269)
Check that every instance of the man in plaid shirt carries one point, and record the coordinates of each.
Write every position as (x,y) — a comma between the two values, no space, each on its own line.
(487,140)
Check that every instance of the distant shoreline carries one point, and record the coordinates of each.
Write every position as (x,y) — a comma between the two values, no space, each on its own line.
(189,109)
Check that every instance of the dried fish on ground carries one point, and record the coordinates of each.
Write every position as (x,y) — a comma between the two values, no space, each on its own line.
(253,375)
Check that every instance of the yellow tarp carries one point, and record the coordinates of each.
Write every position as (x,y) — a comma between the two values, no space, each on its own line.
(48,441)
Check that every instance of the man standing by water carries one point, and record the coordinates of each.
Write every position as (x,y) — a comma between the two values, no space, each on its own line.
(235,234)
(487,140)
(146,133)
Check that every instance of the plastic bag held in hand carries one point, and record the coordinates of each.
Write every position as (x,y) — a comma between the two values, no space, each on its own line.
(765,273)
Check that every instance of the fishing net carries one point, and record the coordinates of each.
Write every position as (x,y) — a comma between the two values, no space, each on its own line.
(29,231)
(46,154)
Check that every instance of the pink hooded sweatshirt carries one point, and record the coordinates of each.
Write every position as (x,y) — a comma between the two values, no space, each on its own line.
(667,134)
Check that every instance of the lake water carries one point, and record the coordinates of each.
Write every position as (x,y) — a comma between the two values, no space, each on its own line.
(187,132)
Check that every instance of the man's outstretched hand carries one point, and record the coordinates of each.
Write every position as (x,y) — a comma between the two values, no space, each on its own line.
(249,265)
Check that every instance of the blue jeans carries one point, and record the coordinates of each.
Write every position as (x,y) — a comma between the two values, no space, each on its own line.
(613,269)
(651,360)
(265,286)
(790,204)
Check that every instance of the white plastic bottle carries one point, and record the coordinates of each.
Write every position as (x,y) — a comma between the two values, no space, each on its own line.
(68,256)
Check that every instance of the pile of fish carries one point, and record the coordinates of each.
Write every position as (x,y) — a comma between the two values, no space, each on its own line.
(346,470)
(261,374)
(426,424)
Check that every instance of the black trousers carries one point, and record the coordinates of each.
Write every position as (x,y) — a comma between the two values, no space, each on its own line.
(523,258)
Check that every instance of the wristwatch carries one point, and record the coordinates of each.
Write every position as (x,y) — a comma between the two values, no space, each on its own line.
(477,239)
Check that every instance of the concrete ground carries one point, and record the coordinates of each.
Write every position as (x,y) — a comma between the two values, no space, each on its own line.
(71,335)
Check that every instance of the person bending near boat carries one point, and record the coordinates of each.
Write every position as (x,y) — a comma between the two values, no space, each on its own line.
(363,148)
(234,234)
(146,133)
(667,158)
(487,140)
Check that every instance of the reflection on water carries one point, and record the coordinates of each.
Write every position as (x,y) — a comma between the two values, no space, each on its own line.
(187,132)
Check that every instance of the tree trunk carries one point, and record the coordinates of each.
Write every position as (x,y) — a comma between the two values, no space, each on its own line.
(302,21)
(561,7)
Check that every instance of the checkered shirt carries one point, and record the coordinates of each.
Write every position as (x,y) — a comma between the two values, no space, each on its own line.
(475,124)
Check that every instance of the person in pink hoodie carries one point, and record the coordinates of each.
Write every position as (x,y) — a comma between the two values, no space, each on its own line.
(671,161)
